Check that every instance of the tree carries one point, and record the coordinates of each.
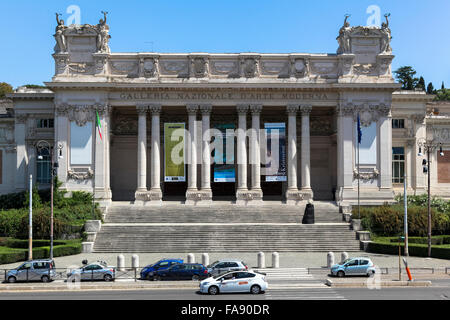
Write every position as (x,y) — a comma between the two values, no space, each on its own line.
(430,88)
(442,95)
(4,89)
(405,75)
(442,87)
(421,84)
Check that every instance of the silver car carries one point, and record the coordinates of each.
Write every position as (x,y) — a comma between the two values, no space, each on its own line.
(94,271)
(354,267)
(226,265)
(34,270)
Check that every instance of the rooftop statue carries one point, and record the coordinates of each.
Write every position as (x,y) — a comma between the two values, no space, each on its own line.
(386,36)
(343,38)
(103,35)
(59,35)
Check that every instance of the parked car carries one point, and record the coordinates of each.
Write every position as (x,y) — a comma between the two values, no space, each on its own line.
(34,270)
(354,267)
(226,265)
(94,271)
(182,271)
(149,271)
(240,281)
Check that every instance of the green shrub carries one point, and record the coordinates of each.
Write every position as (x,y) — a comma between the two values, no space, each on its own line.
(437,203)
(387,220)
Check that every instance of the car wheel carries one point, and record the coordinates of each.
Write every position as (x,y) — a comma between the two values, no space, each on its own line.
(213,290)
(107,277)
(156,278)
(195,277)
(45,279)
(12,279)
(255,289)
(371,274)
(149,276)
(341,274)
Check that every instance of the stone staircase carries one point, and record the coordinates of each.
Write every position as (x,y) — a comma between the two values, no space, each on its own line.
(223,227)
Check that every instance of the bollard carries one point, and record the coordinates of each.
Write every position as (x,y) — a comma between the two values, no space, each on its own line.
(120,262)
(135,261)
(261,260)
(330,259)
(344,256)
(205,259)
(275,260)
(190,258)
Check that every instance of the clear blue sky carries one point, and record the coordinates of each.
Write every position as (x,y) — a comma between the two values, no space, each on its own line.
(420,30)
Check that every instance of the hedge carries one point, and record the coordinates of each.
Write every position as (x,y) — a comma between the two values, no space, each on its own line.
(435,240)
(15,255)
(387,220)
(418,250)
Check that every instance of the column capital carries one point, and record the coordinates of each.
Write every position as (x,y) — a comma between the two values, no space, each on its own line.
(292,109)
(305,109)
(242,108)
(142,109)
(155,108)
(256,108)
(205,109)
(192,109)
(102,108)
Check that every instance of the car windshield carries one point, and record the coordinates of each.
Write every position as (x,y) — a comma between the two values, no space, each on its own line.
(213,264)
(346,260)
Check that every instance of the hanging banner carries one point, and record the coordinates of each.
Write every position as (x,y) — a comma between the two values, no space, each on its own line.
(280,173)
(174,140)
(224,169)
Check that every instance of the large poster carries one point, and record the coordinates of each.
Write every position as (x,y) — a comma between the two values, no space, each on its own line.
(174,139)
(275,162)
(224,169)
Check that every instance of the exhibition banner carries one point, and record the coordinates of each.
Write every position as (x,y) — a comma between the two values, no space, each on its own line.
(174,149)
(276,136)
(224,168)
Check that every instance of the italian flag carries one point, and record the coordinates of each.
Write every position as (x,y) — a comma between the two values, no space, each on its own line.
(99,126)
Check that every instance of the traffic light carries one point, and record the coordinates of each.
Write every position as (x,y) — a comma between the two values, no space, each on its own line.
(425,167)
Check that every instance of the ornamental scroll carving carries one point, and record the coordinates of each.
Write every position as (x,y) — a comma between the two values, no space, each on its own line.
(81,114)
(366,174)
(80,176)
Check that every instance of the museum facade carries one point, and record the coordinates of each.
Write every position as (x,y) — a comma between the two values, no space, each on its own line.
(115,122)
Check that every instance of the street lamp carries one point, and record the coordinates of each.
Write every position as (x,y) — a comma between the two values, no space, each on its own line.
(428,146)
(44,145)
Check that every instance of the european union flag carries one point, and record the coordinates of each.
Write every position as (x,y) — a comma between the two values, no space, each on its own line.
(359,130)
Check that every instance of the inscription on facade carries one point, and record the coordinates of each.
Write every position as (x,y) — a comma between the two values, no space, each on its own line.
(220,96)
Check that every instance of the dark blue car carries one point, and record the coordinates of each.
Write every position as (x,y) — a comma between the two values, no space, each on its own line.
(148,272)
(183,271)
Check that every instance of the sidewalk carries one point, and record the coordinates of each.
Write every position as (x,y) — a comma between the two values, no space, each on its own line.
(287,259)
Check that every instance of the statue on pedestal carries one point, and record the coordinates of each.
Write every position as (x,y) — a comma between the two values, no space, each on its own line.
(103,35)
(344,38)
(59,35)
(386,35)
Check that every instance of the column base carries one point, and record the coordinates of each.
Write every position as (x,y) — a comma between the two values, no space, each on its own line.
(245,197)
(145,197)
(294,197)
(198,197)
(103,197)
(308,194)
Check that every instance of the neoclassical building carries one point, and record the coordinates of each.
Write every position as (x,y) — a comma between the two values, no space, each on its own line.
(311,101)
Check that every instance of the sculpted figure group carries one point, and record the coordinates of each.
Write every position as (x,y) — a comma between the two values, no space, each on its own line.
(102,30)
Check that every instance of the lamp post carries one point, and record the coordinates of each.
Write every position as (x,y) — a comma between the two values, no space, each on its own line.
(428,147)
(44,145)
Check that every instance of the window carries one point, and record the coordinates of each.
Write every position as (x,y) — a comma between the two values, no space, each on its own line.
(45,123)
(233,265)
(41,265)
(363,262)
(352,263)
(398,164)
(43,166)
(398,123)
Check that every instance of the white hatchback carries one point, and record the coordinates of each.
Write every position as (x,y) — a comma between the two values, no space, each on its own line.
(237,281)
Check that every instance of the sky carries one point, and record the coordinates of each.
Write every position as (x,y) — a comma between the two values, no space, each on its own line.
(420,30)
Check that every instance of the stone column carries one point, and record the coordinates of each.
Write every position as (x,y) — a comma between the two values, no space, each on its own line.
(21,160)
(206,191)
(420,179)
(409,169)
(192,194)
(306,152)
(62,127)
(255,153)
(293,195)
(242,195)
(155,194)
(141,192)
(102,192)
(385,147)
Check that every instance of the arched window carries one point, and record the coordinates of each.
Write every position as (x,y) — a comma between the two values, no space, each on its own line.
(43,166)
